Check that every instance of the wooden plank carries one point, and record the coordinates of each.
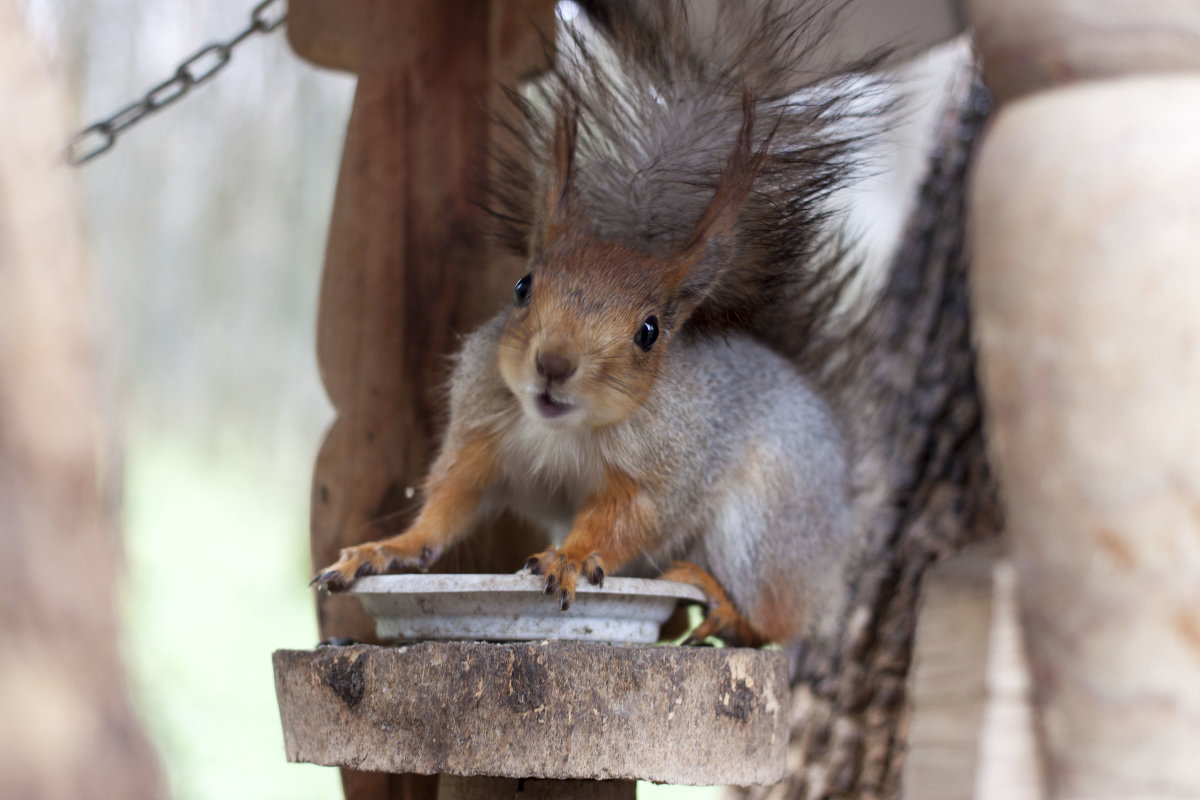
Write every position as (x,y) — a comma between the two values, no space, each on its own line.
(1009,757)
(1093,384)
(327,32)
(558,710)
(407,268)
(407,271)
(1028,46)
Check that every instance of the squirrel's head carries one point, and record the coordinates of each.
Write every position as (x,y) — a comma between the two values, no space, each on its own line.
(593,320)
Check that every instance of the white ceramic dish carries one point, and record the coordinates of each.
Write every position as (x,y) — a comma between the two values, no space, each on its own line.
(514,608)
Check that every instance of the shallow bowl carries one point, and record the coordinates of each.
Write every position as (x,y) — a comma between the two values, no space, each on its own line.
(506,608)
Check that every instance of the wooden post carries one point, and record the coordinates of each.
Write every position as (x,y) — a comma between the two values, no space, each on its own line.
(1086,223)
(408,269)
(69,729)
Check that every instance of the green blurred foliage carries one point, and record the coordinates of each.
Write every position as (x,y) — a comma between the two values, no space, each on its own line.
(218,567)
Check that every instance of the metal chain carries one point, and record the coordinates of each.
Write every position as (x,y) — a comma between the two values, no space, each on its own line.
(100,136)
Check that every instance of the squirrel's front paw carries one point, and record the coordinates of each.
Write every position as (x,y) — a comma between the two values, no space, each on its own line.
(562,572)
(374,558)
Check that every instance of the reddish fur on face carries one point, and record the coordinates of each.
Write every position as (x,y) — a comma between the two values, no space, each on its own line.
(590,296)
(588,299)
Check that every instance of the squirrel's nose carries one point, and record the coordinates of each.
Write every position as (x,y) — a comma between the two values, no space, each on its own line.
(554,367)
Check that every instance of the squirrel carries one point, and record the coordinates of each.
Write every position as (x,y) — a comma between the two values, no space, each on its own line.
(663,388)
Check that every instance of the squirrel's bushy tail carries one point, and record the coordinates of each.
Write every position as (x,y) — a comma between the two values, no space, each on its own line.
(659,99)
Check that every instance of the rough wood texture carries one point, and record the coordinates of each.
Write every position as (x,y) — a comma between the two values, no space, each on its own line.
(69,730)
(849,706)
(1087,291)
(561,710)
(1030,45)
(453,787)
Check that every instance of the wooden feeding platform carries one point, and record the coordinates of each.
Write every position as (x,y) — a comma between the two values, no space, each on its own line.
(550,710)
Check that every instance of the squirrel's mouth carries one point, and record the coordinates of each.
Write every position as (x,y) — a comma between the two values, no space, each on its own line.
(550,408)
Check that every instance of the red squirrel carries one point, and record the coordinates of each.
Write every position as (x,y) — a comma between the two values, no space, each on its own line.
(634,397)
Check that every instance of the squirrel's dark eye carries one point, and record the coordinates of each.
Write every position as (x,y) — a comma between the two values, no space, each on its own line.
(521,290)
(647,334)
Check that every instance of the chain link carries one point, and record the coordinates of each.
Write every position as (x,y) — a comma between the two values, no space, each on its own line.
(100,136)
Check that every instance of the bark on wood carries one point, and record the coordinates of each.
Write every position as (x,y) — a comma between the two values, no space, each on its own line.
(69,731)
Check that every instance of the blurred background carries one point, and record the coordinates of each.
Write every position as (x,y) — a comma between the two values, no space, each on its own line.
(206,225)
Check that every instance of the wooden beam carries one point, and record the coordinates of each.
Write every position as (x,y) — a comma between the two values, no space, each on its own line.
(1086,287)
(408,269)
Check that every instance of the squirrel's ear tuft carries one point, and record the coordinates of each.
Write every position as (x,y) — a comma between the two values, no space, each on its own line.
(717,221)
(560,168)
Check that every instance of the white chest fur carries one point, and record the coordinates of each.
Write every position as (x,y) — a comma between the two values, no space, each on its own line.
(547,474)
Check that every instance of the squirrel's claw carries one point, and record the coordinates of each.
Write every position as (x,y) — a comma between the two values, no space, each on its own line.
(562,573)
(329,580)
(374,558)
